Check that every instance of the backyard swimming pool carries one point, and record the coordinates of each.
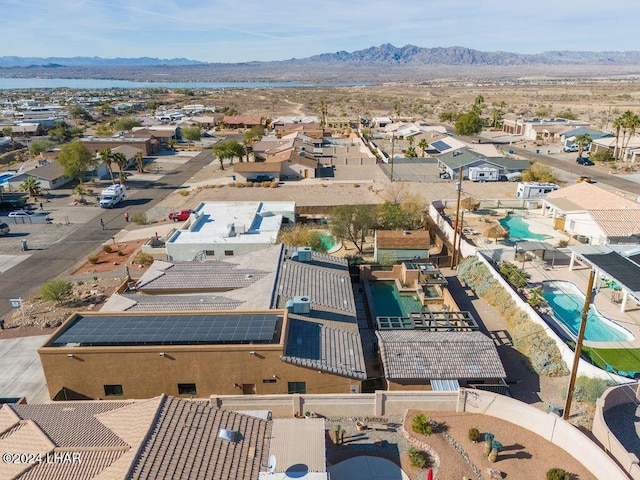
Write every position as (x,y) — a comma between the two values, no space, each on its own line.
(328,241)
(566,300)
(519,229)
(5,177)
(389,302)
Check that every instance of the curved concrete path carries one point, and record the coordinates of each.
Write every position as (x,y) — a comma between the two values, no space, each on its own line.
(367,468)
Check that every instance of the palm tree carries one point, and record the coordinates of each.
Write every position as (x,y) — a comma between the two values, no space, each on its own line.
(582,141)
(221,152)
(617,124)
(31,185)
(139,158)
(106,157)
(631,124)
(422,144)
(121,160)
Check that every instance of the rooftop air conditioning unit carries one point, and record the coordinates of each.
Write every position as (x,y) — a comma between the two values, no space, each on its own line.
(303,254)
(301,305)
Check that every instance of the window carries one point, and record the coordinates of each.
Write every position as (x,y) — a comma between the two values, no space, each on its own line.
(297,387)
(269,380)
(572,224)
(186,389)
(228,253)
(210,253)
(113,391)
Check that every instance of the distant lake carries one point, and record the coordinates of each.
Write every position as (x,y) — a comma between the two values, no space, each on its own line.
(98,84)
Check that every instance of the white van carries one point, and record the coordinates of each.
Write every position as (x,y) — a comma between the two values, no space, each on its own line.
(112,196)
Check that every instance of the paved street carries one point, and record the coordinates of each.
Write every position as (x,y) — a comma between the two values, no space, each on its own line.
(55,259)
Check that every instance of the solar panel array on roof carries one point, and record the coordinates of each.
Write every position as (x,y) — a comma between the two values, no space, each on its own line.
(618,267)
(441,146)
(169,329)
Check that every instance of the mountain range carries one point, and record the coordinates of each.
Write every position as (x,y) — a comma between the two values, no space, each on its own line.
(387,54)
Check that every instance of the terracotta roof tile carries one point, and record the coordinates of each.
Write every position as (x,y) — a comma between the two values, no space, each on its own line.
(90,464)
(8,418)
(24,437)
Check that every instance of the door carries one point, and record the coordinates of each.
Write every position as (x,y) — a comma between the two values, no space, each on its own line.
(248,388)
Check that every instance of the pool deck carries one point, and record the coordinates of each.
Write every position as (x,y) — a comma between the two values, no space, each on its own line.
(580,277)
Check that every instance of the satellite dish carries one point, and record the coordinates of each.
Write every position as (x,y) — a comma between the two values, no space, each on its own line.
(272,464)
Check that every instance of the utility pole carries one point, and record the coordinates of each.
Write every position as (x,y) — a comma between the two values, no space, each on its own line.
(455,227)
(461,226)
(576,356)
(393,145)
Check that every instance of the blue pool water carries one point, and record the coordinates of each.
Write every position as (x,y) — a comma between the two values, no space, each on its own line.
(328,241)
(519,229)
(5,177)
(567,301)
(388,302)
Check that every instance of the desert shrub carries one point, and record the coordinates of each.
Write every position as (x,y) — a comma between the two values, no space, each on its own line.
(93,259)
(474,434)
(356,185)
(56,290)
(107,249)
(121,253)
(557,474)
(416,457)
(140,218)
(232,184)
(529,338)
(562,243)
(143,259)
(302,236)
(421,424)
(590,389)
(265,184)
(184,192)
(274,184)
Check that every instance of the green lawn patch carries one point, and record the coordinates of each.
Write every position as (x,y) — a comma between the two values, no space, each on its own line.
(621,359)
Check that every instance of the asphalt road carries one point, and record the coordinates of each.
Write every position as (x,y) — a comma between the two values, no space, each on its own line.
(25,278)
(570,165)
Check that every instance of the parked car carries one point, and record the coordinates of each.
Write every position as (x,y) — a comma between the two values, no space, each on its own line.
(570,148)
(584,161)
(4,229)
(21,213)
(588,163)
(262,177)
(180,216)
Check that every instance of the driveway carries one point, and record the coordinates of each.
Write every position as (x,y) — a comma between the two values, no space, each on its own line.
(21,373)
(367,468)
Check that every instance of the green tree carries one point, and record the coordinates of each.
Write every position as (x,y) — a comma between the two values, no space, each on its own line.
(104,130)
(353,223)
(171,143)
(127,123)
(39,146)
(31,185)
(582,141)
(539,172)
(139,158)
(630,124)
(567,115)
(75,159)
(77,112)
(302,236)
(121,160)
(7,131)
(478,103)
(192,133)
(422,145)
(221,152)
(254,133)
(228,151)
(448,116)
(106,157)
(56,290)
(468,124)
(410,153)
(63,132)
(602,155)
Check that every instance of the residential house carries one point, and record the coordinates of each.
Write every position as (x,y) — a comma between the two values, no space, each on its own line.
(537,129)
(306,339)
(165,133)
(223,229)
(594,215)
(149,145)
(49,175)
(629,152)
(391,246)
(133,440)
(450,163)
(240,121)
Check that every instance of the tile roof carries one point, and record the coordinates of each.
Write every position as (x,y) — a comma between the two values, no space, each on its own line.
(320,347)
(465,157)
(184,444)
(325,280)
(591,197)
(167,303)
(416,354)
(23,437)
(210,275)
(398,240)
(250,167)
(73,424)
(617,223)
(90,465)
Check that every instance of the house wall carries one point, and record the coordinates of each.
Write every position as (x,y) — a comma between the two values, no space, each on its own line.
(295,170)
(583,224)
(143,373)
(388,255)
(189,251)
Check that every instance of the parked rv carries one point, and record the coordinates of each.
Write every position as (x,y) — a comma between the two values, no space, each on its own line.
(535,189)
(112,196)
(483,174)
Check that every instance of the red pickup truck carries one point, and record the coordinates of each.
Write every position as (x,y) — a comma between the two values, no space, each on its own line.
(180,216)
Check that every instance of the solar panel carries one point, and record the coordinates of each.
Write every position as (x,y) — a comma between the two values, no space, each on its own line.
(441,146)
(618,267)
(170,329)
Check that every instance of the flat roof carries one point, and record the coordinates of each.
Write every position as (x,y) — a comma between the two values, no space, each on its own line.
(212,221)
(169,329)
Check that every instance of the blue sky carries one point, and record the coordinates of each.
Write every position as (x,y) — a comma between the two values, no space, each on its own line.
(245,30)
